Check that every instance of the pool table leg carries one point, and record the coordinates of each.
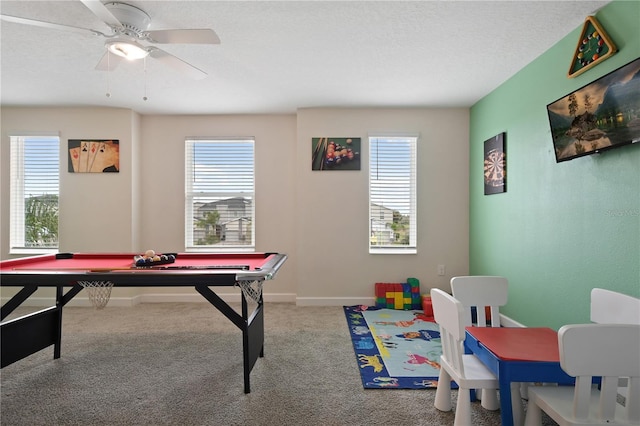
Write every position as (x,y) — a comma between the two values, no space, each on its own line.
(252,329)
(28,334)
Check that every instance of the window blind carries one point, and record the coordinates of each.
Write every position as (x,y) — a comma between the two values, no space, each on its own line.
(34,192)
(219,182)
(392,194)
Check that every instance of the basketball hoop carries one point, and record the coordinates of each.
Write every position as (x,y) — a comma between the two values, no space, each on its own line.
(252,289)
(99,292)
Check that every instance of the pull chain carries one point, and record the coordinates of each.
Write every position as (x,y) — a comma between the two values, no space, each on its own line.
(144,98)
(108,71)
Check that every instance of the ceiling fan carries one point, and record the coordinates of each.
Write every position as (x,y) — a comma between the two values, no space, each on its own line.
(129,38)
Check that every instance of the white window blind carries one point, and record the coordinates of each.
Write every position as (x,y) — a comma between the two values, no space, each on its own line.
(392,194)
(219,184)
(34,193)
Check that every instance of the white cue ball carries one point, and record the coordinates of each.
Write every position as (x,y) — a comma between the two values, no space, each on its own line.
(149,253)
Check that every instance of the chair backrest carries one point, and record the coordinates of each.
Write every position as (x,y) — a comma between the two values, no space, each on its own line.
(449,315)
(609,351)
(610,307)
(479,292)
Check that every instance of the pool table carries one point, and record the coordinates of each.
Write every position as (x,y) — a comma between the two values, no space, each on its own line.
(67,272)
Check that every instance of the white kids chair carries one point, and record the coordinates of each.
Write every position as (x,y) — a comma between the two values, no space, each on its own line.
(611,307)
(482,292)
(465,369)
(609,351)
(479,292)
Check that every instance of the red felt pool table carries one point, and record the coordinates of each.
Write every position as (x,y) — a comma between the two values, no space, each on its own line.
(23,336)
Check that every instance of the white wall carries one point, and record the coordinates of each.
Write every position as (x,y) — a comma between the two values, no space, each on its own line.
(320,219)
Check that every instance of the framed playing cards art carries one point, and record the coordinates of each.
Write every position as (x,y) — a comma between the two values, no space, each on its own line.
(94,156)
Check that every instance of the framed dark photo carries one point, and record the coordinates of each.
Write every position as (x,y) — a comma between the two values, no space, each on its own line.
(599,116)
(335,153)
(495,165)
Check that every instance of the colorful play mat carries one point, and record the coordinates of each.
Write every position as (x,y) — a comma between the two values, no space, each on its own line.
(395,349)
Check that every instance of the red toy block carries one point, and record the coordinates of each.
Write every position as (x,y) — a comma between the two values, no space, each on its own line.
(427,306)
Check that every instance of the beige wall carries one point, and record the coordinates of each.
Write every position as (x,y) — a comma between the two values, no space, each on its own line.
(96,210)
(332,259)
(320,219)
(163,204)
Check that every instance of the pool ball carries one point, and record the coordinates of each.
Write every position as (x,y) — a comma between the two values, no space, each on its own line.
(149,253)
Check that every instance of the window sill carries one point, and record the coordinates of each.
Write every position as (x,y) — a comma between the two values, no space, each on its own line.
(387,250)
(33,251)
(224,249)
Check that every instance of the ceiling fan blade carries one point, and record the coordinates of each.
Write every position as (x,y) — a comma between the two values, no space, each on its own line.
(108,62)
(99,9)
(178,64)
(51,25)
(192,36)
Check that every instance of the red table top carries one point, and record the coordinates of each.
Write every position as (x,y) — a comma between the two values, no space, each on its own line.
(99,261)
(519,343)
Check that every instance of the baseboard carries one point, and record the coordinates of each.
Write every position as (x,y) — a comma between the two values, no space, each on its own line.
(197,298)
(335,301)
(79,301)
(229,298)
(505,321)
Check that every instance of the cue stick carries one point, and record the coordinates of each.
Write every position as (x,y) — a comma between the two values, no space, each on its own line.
(324,153)
(316,151)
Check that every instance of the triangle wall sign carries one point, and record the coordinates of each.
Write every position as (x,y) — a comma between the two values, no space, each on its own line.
(594,46)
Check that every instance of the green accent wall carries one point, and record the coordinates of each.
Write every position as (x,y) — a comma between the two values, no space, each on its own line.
(561,229)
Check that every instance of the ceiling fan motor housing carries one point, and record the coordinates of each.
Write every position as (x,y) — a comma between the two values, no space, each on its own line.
(134,21)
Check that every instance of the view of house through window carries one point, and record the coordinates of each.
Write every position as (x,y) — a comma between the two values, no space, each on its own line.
(392,194)
(219,186)
(34,193)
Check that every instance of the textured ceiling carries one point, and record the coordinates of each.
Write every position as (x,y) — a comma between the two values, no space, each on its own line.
(278,56)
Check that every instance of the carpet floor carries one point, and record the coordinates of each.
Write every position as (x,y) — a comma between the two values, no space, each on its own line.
(181,364)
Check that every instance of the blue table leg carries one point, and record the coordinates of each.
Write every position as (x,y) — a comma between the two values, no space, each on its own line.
(506,410)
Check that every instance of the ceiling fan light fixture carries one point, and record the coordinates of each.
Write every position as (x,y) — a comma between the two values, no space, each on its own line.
(127,49)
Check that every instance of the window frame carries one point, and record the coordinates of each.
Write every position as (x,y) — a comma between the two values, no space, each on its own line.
(17,200)
(192,194)
(412,139)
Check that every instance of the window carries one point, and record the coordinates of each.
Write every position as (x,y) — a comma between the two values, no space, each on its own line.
(35,189)
(392,194)
(219,186)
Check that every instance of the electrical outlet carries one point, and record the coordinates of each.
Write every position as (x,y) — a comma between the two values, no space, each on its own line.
(441,270)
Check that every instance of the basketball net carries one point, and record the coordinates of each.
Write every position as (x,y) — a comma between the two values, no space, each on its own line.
(99,292)
(251,289)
